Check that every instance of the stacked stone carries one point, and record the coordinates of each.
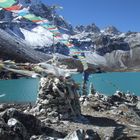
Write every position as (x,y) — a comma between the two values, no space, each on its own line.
(57,99)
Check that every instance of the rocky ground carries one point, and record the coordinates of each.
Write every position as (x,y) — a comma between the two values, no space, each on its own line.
(60,113)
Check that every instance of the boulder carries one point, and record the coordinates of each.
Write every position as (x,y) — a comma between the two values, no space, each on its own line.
(76,135)
(81,134)
(138,105)
(18,128)
(91,135)
(43,137)
(3,107)
(6,133)
(30,122)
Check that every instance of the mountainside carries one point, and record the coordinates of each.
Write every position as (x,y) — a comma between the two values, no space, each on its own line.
(108,47)
(117,49)
(32,33)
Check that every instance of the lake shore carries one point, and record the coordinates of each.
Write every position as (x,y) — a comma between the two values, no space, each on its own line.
(60,114)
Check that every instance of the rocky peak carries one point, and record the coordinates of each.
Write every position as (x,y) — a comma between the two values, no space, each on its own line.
(39,9)
(46,11)
(80,28)
(29,2)
(111,30)
(89,28)
(92,28)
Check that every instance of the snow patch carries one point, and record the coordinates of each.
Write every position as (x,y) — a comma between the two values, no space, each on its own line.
(38,37)
(94,58)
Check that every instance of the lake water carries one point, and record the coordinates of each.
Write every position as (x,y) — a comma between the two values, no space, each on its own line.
(20,90)
(108,83)
(25,90)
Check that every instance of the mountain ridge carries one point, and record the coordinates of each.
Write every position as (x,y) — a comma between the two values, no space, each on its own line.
(108,47)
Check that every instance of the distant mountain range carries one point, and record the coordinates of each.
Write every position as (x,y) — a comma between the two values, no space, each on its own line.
(24,41)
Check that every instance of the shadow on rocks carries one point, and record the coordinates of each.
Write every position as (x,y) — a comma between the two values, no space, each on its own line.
(51,132)
(107,122)
(100,121)
(30,122)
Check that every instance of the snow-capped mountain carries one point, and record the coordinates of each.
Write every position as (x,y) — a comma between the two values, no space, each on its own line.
(111,30)
(33,34)
(107,47)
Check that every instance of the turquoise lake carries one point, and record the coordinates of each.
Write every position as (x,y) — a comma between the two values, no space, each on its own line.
(108,83)
(25,90)
(20,90)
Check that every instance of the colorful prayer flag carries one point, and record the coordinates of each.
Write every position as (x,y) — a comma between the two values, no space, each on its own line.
(7,3)
(13,8)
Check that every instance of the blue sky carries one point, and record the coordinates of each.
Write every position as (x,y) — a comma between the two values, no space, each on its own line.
(124,14)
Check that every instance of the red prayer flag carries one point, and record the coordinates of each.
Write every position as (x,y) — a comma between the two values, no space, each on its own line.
(36,20)
(69,45)
(52,28)
(12,8)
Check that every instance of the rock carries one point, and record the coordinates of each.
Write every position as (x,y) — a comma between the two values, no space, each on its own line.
(49,109)
(18,128)
(42,111)
(125,98)
(116,98)
(81,99)
(32,125)
(108,138)
(64,116)
(80,134)
(91,135)
(6,133)
(55,120)
(2,123)
(109,134)
(45,102)
(3,107)
(88,28)
(35,109)
(86,103)
(49,96)
(76,135)
(53,114)
(43,137)
(4,130)
(138,105)
(111,30)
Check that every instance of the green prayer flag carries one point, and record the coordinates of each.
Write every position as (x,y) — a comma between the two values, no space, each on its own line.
(7,3)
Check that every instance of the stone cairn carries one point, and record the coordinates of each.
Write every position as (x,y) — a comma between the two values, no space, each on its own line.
(57,99)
